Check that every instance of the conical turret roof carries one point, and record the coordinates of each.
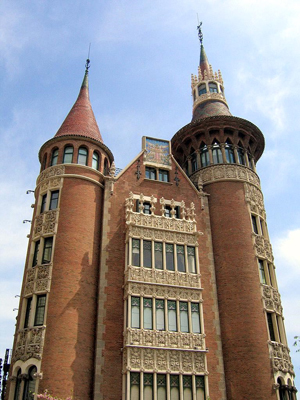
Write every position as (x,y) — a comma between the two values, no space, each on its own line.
(81,120)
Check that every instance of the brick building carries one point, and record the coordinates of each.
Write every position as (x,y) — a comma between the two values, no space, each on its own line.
(154,282)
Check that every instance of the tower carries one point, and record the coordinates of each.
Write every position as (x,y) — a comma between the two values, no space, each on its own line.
(156,282)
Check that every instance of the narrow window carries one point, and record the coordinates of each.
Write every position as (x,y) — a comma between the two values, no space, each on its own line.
(82,156)
(147,208)
(217,153)
(191,259)
(195,318)
(254,224)
(43,205)
(36,253)
(44,162)
(40,310)
(54,200)
(180,258)
(262,226)
(194,162)
(204,156)
(278,326)
(163,175)
(27,314)
(271,327)
(135,312)
(148,314)
(201,89)
(136,252)
(160,315)
(170,257)
(161,387)
(270,268)
(213,87)
(262,272)
(229,152)
(150,173)
(68,155)
(168,211)
(184,319)
(54,157)
(95,161)
(29,384)
(200,388)
(147,254)
(172,319)
(18,385)
(241,156)
(187,387)
(134,386)
(148,386)
(174,389)
(158,255)
(105,170)
(47,250)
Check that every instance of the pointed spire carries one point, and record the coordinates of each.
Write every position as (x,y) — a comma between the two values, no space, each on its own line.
(81,120)
(203,64)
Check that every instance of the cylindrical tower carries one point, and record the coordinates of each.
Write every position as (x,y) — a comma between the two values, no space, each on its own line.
(219,153)
(55,336)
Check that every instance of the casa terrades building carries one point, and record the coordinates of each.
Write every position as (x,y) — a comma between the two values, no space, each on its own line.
(154,282)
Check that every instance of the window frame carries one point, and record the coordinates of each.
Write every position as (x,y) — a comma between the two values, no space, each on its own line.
(47,248)
(54,156)
(53,204)
(68,154)
(82,156)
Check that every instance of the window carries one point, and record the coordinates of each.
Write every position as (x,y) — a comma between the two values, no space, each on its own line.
(148,387)
(47,252)
(254,224)
(44,162)
(201,89)
(229,152)
(82,156)
(262,227)
(271,327)
(54,157)
(168,211)
(36,253)
(29,384)
(262,274)
(135,312)
(184,319)
(54,200)
(160,314)
(136,252)
(147,208)
(163,175)
(180,258)
(68,155)
(95,161)
(150,173)
(27,314)
(147,254)
(170,257)
(105,170)
(194,162)
(43,205)
(191,259)
(172,316)
(204,156)
(195,318)
(241,156)
(217,153)
(18,385)
(213,87)
(40,310)
(148,313)
(158,255)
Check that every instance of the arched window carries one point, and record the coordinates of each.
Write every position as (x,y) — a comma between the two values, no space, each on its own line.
(241,156)
(217,153)
(68,155)
(194,162)
(105,170)
(29,384)
(54,157)
(213,87)
(95,161)
(201,89)
(204,156)
(229,153)
(82,156)
(18,385)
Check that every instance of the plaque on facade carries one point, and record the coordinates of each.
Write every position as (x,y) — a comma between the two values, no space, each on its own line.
(157,151)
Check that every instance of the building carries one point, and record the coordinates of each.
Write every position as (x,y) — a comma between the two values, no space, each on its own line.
(157,281)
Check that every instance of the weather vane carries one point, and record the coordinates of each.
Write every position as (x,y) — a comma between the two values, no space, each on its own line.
(87,64)
(200,34)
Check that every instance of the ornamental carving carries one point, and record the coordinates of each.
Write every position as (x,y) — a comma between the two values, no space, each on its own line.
(280,356)
(29,344)
(159,222)
(263,247)
(178,340)
(225,172)
(166,292)
(139,358)
(271,299)
(45,223)
(38,279)
(254,198)
(164,277)
(52,172)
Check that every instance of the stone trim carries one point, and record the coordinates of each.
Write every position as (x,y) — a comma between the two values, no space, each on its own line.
(280,357)
(271,299)
(29,344)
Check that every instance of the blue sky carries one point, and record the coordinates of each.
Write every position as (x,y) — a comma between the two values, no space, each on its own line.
(142,55)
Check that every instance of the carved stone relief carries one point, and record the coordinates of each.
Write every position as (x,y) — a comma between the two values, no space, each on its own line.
(52,172)
(263,247)
(271,298)
(29,344)
(281,360)
(254,198)
(45,223)
(38,279)
(167,292)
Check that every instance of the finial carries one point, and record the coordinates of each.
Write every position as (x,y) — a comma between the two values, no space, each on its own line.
(87,64)
(200,34)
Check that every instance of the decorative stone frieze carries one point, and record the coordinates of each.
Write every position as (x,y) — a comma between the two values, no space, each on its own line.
(38,279)
(162,291)
(158,360)
(263,248)
(29,344)
(280,356)
(45,223)
(254,198)
(154,338)
(225,172)
(49,174)
(271,298)
(164,277)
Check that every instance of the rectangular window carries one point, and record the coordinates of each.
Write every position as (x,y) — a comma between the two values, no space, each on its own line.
(270,267)
(187,387)
(158,255)
(147,208)
(136,252)
(172,316)
(195,318)
(40,310)
(54,200)
(150,173)
(148,313)
(169,213)
(43,205)
(254,224)
(262,272)
(135,312)
(147,254)
(134,386)
(191,259)
(47,250)
(36,253)
(174,389)
(27,314)
(200,388)
(160,314)
(161,387)
(148,386)
(180,258)
(271,327)
(170,257)
(163,175)
(184,318)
